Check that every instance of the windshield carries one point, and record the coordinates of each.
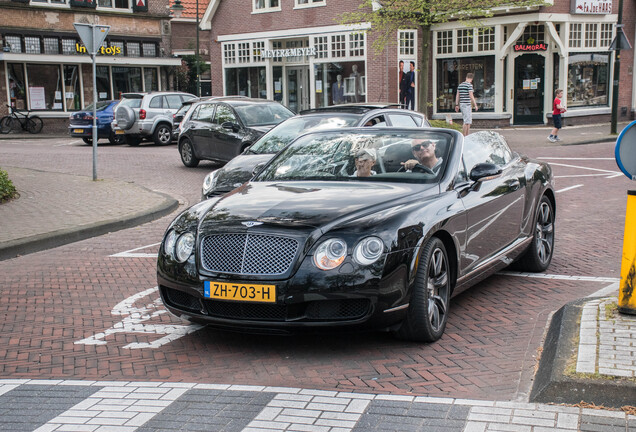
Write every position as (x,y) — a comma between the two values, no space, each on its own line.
(281,135)
(131,102)
(363,155)
(263,114)
(101,106)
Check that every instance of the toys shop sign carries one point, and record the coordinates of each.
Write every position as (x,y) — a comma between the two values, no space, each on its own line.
(596,7)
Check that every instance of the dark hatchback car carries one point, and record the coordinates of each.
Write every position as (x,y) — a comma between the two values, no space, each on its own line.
(221,128)
(307,243)
(240,169)
(81,123)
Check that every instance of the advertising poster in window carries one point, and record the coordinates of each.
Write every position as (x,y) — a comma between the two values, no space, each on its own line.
(36,98)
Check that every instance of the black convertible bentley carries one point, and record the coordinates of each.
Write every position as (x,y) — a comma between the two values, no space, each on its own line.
(308,242)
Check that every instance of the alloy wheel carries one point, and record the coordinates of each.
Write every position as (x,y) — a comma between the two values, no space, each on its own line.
(544,233)
(438,289)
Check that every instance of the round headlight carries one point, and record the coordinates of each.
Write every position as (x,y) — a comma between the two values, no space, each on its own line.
(209,182)
(368,250)
(184,247)
(330,254)
(168,244)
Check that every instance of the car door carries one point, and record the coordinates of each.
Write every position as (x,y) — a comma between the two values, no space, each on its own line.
(494,207)
(227,140)
(201,130)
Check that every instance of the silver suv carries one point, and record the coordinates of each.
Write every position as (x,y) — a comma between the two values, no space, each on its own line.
(147,115)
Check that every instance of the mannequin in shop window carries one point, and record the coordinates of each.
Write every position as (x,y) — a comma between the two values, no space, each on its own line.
(356,83)
(337,91)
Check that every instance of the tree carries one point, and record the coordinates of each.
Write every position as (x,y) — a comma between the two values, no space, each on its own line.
(186,75)
(389,16)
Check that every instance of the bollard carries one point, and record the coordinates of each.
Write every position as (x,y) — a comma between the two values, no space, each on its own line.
(626,295)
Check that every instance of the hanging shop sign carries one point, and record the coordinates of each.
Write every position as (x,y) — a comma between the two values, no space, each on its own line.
(595,7)
(531,47)
(290,52)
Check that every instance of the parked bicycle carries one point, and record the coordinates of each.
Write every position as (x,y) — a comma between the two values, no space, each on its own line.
(30,123)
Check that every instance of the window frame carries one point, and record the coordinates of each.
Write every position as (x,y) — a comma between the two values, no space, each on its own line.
(267,8)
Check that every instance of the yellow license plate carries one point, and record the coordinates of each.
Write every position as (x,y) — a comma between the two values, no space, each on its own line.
(119,132)
(240,292)
(78,130)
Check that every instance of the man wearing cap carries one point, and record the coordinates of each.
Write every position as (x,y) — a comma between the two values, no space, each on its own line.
(425,158)
(365,159)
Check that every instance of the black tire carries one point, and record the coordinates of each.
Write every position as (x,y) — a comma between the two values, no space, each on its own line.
(132,141)
(429,306)
(88,141)
(6,124)
(162,135)
(34,124)
(538,256)
(187,153)
(114,138)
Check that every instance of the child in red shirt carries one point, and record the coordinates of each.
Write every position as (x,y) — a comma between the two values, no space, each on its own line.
(557,110)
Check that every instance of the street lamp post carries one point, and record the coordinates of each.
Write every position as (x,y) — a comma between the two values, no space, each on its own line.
(177,9)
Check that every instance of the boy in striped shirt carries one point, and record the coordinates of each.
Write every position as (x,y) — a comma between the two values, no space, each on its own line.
(464,101)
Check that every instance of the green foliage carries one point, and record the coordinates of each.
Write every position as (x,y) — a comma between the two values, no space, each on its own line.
(443,124)
(7,190)
(187,73)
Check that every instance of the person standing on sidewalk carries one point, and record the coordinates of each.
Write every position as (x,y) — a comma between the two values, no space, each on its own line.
(410,87)
(557,109)
(464,100)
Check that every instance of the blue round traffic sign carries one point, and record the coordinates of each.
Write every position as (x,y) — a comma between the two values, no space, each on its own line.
(625,151)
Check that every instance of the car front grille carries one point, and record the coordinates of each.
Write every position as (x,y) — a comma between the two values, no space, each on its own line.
(248,254)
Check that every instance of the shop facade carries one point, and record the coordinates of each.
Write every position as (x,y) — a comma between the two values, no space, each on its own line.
(292,52)
(44,66)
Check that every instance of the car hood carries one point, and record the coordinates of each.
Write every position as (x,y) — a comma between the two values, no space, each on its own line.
(238,171)
(307,203)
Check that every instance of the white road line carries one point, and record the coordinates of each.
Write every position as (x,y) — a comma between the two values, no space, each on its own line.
(585,168)
(130,253)
(574,158)
(560,277)
(569,188)
(589,175)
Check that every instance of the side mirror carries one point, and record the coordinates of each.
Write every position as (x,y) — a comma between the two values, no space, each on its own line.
(484,171)
(234,127)
(258,168)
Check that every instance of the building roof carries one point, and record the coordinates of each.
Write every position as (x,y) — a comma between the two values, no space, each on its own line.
(190,8)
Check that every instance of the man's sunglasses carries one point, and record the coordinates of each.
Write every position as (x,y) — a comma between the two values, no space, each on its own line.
(418,147)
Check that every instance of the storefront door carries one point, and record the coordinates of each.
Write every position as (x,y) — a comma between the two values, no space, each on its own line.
(298,88)
(529,74)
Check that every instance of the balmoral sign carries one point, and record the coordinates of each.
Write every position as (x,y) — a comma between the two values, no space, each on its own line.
(597,7)
(291,52)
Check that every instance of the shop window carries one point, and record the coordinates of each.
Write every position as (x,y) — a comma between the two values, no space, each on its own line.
(588,79)
(486,39)
(338,83)
(71,88)
(575,35)
(17,86)
(465,40)
(103,83)
(445,42)
(151,83)
(243,52)
(246,81)
(125,80)
(338,46)
(53,2)
(606,35)
(68,46)
(591,35)
(322,46)
(32,45)
(114,4)
(257,49)
(45,90)
(14,42)
(451,72)
(150,50)
(51,45)
(266,5)
(406,43)
(117,44)
(229,53)
(356,44)
(309,3)
(133,49)
(278,45)
(532,34)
